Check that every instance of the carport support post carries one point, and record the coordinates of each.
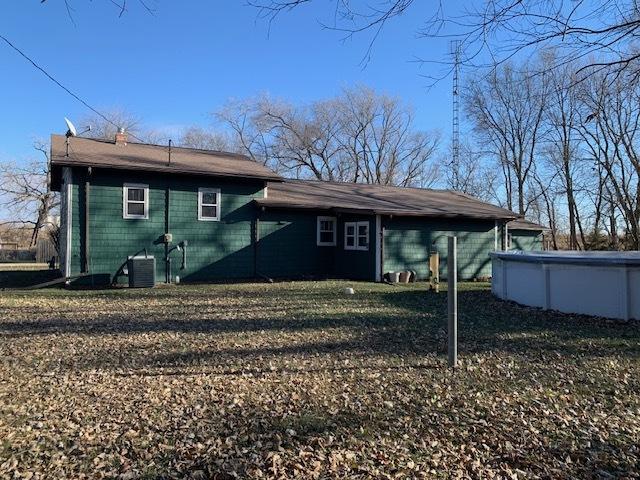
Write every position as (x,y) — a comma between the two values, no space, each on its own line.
(452,301)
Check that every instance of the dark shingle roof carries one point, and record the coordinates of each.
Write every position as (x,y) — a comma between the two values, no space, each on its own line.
(522,224)
(139,156)
(379,199)
(299,194)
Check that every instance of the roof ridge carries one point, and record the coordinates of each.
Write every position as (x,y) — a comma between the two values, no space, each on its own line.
(239,156)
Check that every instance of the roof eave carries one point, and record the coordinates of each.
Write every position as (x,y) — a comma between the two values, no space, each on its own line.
(63,161)
(445,215)
(530,229)
(365,211)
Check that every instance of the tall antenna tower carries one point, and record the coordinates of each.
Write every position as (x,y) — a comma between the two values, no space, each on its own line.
(455,133)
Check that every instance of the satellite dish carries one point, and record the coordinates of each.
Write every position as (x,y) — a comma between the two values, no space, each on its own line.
(71,129)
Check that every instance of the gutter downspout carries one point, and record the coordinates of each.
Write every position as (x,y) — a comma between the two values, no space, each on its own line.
(67,174)
(379,246)
(167,218)
(506,237)
(256,239)
(87,190)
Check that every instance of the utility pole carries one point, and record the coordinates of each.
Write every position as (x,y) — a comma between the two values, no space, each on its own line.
(455,133)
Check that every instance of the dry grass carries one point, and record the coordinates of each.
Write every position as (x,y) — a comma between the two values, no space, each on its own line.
(295,380)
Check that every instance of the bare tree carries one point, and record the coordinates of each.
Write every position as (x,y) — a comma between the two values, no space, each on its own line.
(381,142)
(507,110)
(494,31)
(303,139)
(121,6)
(357,136)
(611,132)
(198,137)
(248,134)
(471,175)
(544,197)
(562,146)
(25,191)
(102,129)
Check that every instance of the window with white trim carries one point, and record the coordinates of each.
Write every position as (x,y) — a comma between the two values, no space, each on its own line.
(135,200)
(363,235)
(209,204)
(356,236)
(350,235)
(326,231)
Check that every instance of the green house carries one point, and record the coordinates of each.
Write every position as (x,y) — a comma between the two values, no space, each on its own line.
(216,216)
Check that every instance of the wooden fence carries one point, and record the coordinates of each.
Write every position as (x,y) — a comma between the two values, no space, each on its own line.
(45,251)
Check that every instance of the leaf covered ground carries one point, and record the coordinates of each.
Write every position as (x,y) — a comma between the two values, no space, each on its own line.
(297,380)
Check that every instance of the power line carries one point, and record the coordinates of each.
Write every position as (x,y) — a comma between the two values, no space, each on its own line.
(32,62)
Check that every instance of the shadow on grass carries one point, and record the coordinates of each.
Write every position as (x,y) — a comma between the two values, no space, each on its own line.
(397,322)
(382,323)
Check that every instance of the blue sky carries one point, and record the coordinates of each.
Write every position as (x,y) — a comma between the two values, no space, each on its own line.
(175,67)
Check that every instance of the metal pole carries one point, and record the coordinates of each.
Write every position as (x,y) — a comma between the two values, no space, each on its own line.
(452,301)
(455,136)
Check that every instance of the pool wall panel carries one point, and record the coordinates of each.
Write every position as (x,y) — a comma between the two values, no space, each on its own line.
(605,284)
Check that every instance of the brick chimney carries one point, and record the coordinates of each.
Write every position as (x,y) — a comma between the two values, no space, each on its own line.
(121,137)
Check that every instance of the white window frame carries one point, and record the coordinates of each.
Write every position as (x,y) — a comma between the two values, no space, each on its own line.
(360,224)
(126,201)
(356,235)
(334,222)
(202,191)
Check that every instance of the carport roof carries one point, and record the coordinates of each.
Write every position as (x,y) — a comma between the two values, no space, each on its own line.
(522,224)
(379,199)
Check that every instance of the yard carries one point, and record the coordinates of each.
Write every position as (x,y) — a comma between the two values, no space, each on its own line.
(297,380)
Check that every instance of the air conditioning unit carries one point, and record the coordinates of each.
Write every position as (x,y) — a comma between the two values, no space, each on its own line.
(142,271)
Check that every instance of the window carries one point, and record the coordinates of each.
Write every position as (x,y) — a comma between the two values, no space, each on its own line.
(326,231)
(356,236)
(363,235)
(209,204)
(135,201)
(350,236)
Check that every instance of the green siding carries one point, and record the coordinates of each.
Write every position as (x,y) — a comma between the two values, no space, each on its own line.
(527,240)
(287,240)
(407,245)
(288,246)
(75,230)
(216,250)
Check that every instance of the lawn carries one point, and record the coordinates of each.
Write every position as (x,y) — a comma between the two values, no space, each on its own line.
(297,380)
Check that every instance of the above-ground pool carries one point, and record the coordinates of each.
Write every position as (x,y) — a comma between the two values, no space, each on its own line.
(606,284)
